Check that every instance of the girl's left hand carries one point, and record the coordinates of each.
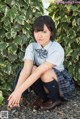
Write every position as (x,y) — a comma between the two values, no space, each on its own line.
(14,99)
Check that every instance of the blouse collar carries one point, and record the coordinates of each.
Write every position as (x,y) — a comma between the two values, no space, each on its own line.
(46,47)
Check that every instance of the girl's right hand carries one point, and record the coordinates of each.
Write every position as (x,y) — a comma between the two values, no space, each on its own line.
(14,99)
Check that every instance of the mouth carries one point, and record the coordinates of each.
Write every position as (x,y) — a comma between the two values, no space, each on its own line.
(40,39)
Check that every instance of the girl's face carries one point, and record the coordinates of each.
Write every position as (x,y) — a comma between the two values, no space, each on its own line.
(42,37)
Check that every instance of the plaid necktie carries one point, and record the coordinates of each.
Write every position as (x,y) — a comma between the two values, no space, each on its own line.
(42,53)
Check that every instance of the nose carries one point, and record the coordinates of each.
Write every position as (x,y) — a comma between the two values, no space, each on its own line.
(39,34)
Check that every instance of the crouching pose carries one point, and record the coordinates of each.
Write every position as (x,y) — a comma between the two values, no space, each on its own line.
(43,69)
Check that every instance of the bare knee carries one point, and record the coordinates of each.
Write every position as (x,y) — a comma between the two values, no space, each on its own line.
(49,76)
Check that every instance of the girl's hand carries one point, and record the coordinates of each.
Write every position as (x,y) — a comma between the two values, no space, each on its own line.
(14,99)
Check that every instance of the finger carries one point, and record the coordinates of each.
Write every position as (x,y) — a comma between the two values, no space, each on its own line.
(10,97)
(16,105)
(10,102)
(15,102)
(10,106)
(18,101)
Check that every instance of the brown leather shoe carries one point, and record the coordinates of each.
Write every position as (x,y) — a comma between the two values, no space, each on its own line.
(37,103)
(48,105)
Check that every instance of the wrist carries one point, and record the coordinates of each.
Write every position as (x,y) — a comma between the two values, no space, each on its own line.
(19,91)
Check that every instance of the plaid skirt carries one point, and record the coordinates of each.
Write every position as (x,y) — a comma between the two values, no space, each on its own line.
(66,83)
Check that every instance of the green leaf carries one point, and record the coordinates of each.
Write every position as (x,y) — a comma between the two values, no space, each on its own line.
(11,34)
(8,1)
(3,45)
(21,55)
(2,34)
(6,21)
(13,13)
(78,21)
(2,7)
(16,19)
(12,57)
(8,69)
(18,40)
(1,97)
(74,22)
(12,49)
(20,19)
(67,20)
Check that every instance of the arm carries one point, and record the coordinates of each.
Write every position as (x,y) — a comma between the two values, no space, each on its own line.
(14,98)
(34,76)
(25,73)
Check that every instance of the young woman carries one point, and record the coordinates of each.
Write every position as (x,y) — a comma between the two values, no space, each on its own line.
(43,69)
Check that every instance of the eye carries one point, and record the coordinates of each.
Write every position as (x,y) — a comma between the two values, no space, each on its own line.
(44,31)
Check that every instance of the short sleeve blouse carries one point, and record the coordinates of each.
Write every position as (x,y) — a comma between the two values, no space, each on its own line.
(55,54)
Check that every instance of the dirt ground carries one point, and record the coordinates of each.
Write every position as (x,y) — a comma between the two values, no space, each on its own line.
(68,110)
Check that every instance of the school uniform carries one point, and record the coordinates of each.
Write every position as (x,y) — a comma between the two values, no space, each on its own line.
(52,53)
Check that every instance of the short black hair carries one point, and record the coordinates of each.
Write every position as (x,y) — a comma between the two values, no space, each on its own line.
(39,25)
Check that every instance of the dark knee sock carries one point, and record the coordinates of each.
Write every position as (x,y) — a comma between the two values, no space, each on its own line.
(53,90)
(39,90)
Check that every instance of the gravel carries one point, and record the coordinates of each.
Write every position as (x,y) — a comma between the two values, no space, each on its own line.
(68,110)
